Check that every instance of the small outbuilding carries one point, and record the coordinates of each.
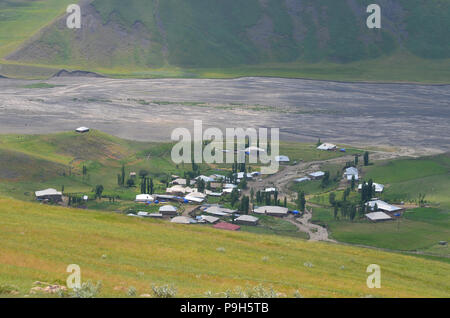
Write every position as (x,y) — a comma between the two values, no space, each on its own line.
(82,130)
(317,175)
(281,159)
(327,147)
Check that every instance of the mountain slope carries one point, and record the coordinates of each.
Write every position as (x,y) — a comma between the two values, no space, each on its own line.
(138,35)
(39,242)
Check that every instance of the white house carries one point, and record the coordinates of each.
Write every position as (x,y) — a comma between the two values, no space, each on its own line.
(144,198)
(350,173)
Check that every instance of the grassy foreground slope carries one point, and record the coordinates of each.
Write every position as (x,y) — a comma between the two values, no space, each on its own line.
(38,242)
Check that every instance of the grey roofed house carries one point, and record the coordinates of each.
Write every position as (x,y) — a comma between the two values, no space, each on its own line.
(272,210)
(49,194)
(210,219)
(155,215)
(247,220)
(183,182)
(168,210)
(142,214)
(378,216)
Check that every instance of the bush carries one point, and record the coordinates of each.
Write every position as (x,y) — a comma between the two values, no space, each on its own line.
(6,289)
(87,290)
(252,292)
(165,291)
(132,292)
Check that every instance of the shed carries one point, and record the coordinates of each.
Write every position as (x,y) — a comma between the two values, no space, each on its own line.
(304,179)
(82,130)
(378,216)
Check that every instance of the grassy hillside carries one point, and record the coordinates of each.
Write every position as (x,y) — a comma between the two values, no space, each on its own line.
(38,242)
(323,39)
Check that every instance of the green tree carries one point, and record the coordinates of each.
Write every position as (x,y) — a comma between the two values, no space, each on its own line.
(366,158)
(99,191)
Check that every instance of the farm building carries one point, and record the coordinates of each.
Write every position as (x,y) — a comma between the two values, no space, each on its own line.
(317,175)
(378,216)
(272,210)
(155,215)
(183,220)
(270,190)
(379,188)
(227,226)
(144,198)
(247,220)
(168,210)
(384,207)
(327,146)
(350,173)
(82,130)
(49,195)
(282,159)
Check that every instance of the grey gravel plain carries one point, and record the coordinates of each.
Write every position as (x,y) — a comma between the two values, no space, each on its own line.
(405,115)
